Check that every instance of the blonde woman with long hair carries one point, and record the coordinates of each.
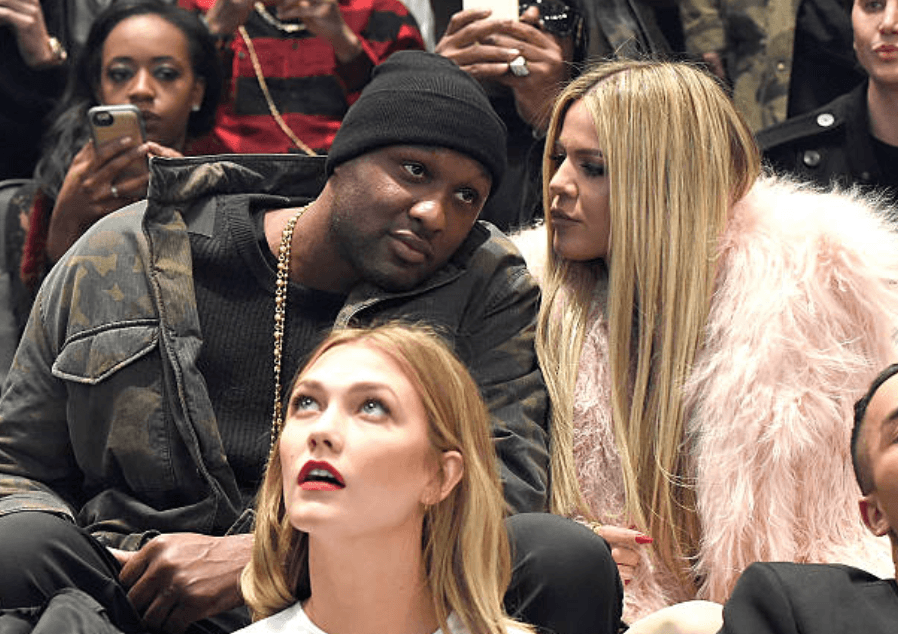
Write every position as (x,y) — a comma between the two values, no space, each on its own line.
(704,332)
(381,510)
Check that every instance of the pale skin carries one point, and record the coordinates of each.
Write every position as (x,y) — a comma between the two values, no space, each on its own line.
(26,17)
(369,423)
(321,17)
(875,27)
(483,46)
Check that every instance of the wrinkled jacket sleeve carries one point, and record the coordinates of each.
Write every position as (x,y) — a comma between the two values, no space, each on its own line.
(37,466)
(500,353)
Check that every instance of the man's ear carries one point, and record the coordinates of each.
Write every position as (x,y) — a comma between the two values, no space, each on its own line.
(452,466)
(873,516)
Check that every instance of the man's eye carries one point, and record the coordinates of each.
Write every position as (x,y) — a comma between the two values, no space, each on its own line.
(468,196)
(415,169)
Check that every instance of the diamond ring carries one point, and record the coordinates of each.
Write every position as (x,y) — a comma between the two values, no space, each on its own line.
(518,66)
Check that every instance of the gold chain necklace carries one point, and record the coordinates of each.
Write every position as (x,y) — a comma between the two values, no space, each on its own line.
(286,27)
(272,107)
(280,311)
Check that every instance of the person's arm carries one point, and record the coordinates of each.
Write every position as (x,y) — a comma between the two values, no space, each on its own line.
(37,466)
(499,350)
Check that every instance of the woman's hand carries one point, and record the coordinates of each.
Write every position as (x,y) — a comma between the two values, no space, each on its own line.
(625,546)
(100,180)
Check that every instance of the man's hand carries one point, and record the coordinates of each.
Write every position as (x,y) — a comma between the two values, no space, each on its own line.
(180,578)
(26,17)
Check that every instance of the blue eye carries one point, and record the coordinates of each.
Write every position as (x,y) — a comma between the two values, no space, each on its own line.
(303,402)
(374,407)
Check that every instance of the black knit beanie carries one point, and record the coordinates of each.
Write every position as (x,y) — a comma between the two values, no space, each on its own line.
(420,98)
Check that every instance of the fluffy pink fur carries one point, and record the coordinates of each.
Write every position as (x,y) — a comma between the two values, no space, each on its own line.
(802,319)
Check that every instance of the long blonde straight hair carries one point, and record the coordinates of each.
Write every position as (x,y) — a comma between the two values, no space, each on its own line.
(677,156)
(465,545)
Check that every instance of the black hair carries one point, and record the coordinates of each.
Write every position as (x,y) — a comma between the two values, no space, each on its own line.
(860,459)
(69,131)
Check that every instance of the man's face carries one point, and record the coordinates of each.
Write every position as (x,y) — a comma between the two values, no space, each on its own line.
(880,437)
(402,211)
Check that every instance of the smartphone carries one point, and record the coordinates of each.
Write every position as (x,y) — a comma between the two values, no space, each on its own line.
(113,122)
(505,9)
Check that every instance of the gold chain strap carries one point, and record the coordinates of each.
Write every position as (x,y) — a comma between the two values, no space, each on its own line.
(280,311)
(260,77)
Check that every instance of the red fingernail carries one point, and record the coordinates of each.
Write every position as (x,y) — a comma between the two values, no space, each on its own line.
(644,539)
(627,582)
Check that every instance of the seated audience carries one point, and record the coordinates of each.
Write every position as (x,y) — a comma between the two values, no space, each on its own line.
(787,598)
(139,409)
(522,64)
(295,66)
(141,52)
(853,139)
(718,325)
(381,509)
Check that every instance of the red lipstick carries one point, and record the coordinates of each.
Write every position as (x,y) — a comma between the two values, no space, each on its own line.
(316,475)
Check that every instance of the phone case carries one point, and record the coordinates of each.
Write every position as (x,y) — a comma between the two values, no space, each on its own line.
(112,122)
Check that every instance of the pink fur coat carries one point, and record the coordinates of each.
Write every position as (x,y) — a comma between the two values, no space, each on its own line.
(802,319)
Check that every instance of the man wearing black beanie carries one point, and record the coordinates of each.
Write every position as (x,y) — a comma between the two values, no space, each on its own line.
(138,414)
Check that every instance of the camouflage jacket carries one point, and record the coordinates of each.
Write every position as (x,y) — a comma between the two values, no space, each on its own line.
(755,40)
(105,417)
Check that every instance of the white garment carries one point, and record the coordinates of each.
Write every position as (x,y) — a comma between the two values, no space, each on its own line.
(293,620)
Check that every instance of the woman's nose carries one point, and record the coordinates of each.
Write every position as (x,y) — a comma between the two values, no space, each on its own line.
(141,88)
(325,433)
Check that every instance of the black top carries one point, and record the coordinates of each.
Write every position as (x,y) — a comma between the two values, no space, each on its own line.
(234,274)
(830,145)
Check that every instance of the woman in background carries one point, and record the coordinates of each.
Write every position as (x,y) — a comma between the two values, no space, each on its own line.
(717,327)
(146,53)
(381,509)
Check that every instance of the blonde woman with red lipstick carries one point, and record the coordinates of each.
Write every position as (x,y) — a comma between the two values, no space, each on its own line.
(381,510)
(704,333)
